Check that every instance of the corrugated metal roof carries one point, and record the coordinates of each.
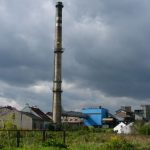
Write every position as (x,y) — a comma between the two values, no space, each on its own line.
(31,115)
(70,114)
(40,113)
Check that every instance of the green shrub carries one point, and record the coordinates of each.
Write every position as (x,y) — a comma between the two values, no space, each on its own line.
(1,147)
(137,126)
(145,129)
(140,127)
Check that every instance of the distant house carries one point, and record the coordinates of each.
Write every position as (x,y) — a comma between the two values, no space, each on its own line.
(21,119)
(38,113)
(125,113)
(122,128)
(119,128)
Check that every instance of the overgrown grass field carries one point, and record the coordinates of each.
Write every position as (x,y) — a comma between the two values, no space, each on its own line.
(90,139)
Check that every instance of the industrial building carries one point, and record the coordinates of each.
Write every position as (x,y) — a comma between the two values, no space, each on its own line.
(143,113)
(146,112)
(94,116)
(70,117)
(125,112)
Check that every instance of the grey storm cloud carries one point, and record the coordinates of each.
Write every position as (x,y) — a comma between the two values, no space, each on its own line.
(112,56)
(25,55)
(106,47)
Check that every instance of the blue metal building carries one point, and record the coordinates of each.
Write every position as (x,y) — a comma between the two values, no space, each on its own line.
(94,116)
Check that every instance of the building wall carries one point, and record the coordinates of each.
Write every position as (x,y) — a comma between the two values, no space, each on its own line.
(138,114)
(19,120)
(37,124)
(146,110)
(26,122)
(95,116)
(22,121)
(8,119)
(138,117)
(121,114)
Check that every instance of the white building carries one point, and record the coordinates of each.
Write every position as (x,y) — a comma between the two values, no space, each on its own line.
(119,128)
(127,129)
(123,128)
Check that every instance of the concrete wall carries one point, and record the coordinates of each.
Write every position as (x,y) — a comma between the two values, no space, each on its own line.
(26,122)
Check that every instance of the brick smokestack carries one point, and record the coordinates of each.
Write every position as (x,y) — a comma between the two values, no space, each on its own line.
(57,81)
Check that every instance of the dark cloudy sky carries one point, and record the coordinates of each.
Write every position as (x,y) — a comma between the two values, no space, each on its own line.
(106,59)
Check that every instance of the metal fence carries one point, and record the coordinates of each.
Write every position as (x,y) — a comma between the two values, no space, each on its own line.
(17,138)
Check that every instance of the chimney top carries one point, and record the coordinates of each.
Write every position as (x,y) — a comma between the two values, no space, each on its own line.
(59,5)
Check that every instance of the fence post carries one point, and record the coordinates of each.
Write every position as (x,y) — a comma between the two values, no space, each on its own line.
(64,136)
(18,138)
(44,137)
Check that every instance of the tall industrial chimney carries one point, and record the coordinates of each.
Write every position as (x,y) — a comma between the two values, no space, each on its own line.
(58,50)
